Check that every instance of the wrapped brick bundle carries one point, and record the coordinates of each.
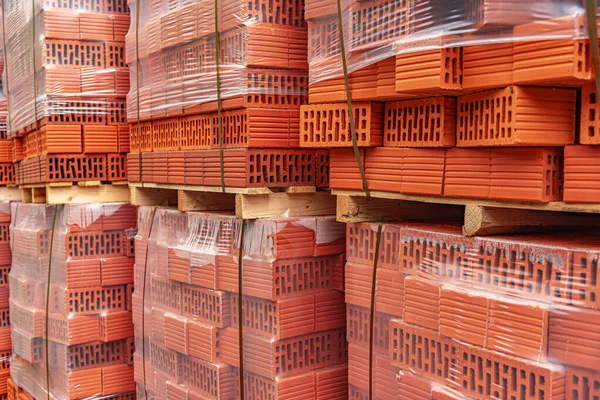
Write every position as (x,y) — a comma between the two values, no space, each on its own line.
(197,338)
(188,94)
(71,284)
(472,318)
(66,82)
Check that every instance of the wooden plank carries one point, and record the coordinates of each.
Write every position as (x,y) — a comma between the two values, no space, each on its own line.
(361,209)
(10,193)
(203,201)
(83,194)
(89,183)
(218,189)
(152,196)
(284,204)
(480,220)
(553,206)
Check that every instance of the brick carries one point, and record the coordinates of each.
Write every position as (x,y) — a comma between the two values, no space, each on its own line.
(422,302)
(464,315)
(377,23)
(420,123)
(359,328)
(582,384)
(286,357)
(429,72)
(498,13)
(208,306)
(384,169)
(344,172)
(514,116)
(580,349)
(581,172)
(203,341)
(486,66)
(413,387)
(328,126)
(384,375)
(467,173)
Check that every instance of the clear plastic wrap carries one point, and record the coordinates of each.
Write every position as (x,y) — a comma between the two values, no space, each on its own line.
(187,310)
(5,261)
(378,30)
(172,55)
(85,253)
(66,82)
(455,317)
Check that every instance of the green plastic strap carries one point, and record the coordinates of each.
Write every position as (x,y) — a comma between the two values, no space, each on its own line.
(137,88)
(590,10)
(219,111)
(144,300)
(372,314)
(5,50)
(240,313)
(48,280)
(349,100)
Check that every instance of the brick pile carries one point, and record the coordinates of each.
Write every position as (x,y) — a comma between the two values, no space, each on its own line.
(187,312)
(472,318)
(7,169)
(174,109)
(67,93)
(5,262)
(496,121)
(85,253)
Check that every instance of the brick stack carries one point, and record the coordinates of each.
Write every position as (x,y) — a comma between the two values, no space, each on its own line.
(487,121)
(7,169)
(187,310)
(85,253)
(473,318)
(67,93)
(174,112)
(5,261)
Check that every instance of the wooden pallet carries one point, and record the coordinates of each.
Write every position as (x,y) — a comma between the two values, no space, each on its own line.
(249,203)
(479,217)
(11,192)
(75,193)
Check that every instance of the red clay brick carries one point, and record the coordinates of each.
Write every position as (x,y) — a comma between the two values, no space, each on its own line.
(573,338)
(581,174)
(429,72)
(463,314)
(328,126)
(486,66)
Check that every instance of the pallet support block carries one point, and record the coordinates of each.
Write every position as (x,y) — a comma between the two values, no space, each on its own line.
(201,201)
(361,209)
(80,193)
(142,196)
(288,204)
(481,220)
(10,193)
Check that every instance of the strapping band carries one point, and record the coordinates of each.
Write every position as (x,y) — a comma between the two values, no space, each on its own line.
(6,69)
(219,111)
(137,88)
(35,93)
(372,314)
(47,341)
(590,10)
(361,168)
(144,300)
(240,313)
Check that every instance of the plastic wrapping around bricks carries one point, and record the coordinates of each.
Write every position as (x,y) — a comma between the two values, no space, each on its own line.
(505,317)
(72,273)
(187,309)
(5,260)
(66,82)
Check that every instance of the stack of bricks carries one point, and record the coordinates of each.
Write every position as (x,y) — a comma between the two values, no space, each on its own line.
(187,308)
(174,110)
(5,261)
(472,318)
(71,284)
(7,169)
(485,121)
(66,95)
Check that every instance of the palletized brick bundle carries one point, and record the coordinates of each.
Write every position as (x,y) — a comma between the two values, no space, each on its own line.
(187,316)
(5,261)
(261,73)
(86,254)
(481,318)
(66,94)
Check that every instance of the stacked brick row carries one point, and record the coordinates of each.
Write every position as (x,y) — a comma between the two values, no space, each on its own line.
(187,309)
(71,284)
(7,169)
(259,73)
(472,318)
(489,121)
(66,83)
